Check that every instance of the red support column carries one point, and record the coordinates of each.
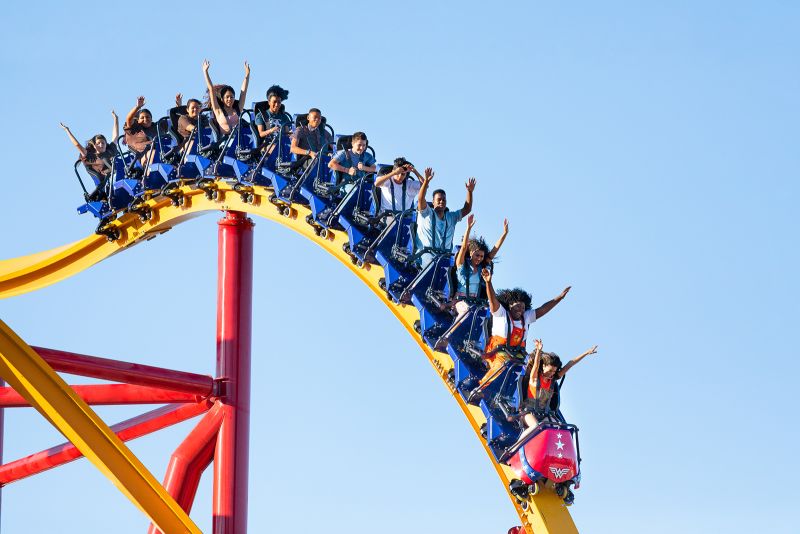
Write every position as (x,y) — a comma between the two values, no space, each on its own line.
(2,428)
(234,318)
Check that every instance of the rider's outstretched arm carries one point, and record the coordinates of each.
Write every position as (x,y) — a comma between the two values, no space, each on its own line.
(212,98)
(462,252)
(75,142)
(470,185)
(422,204)
(542,310)
(115,128)
(496,247)
(130,117)
(572,362)
(245,83)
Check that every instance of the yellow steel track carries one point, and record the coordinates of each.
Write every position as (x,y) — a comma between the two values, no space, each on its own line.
(546,512)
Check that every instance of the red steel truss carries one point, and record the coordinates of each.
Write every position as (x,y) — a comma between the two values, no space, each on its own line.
(222,434)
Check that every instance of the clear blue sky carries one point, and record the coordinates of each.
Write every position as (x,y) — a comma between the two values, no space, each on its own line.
(646,154)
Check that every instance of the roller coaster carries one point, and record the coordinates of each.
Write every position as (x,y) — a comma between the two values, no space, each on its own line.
(240,174)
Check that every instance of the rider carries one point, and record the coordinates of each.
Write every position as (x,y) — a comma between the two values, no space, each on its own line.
(397,192)
(435,227)
(140,131)
(222,100)
(187,123)
(310,139)
(511,317)
(542,387)
(97,156)
(270,121)
(472,258)
(355,161)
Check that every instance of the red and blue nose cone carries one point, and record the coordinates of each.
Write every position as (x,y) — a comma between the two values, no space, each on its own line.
(549,454)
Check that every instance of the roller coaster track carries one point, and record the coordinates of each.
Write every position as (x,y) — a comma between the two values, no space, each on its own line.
(546,512)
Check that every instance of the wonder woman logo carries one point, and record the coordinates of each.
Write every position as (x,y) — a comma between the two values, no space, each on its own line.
(558,473)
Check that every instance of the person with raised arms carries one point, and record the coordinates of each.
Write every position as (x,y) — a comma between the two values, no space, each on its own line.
(97,156)
(473,256)
(540,394)
(140,132)
(222,100)
(437,225)
(512,316)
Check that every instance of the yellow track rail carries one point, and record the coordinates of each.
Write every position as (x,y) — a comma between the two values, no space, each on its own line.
(546,512)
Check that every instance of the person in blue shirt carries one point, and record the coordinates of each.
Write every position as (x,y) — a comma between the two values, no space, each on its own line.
(437,225)
(270,122)
(355,162)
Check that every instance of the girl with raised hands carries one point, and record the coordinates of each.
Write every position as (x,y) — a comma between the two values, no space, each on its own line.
(97,155)
(541,390)
(222,100)
(473,256)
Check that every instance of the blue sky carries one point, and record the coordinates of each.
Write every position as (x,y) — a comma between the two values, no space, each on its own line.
(645,153)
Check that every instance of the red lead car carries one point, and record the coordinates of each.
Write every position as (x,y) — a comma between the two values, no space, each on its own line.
(550,453)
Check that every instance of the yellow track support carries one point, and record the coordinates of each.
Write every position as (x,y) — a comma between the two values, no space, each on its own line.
(546,513)
(31,377)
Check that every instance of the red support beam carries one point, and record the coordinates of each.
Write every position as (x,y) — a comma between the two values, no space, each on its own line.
(234,322)
(190,459)
(2,430)
(136,427)
(129,373)
(98,394)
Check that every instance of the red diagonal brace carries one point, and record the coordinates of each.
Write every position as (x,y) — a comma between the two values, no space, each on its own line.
(136,427)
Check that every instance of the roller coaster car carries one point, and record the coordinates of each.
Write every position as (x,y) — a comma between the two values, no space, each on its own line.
(551,453)
(363,223)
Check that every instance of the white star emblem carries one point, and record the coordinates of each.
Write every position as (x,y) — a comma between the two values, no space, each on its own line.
(560,455)
(559,445)
(559,435)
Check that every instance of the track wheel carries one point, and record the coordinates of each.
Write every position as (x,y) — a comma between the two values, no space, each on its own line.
(533,489)
(360,263)
(323,233)
(214,194)
(112,234)
(562,491)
